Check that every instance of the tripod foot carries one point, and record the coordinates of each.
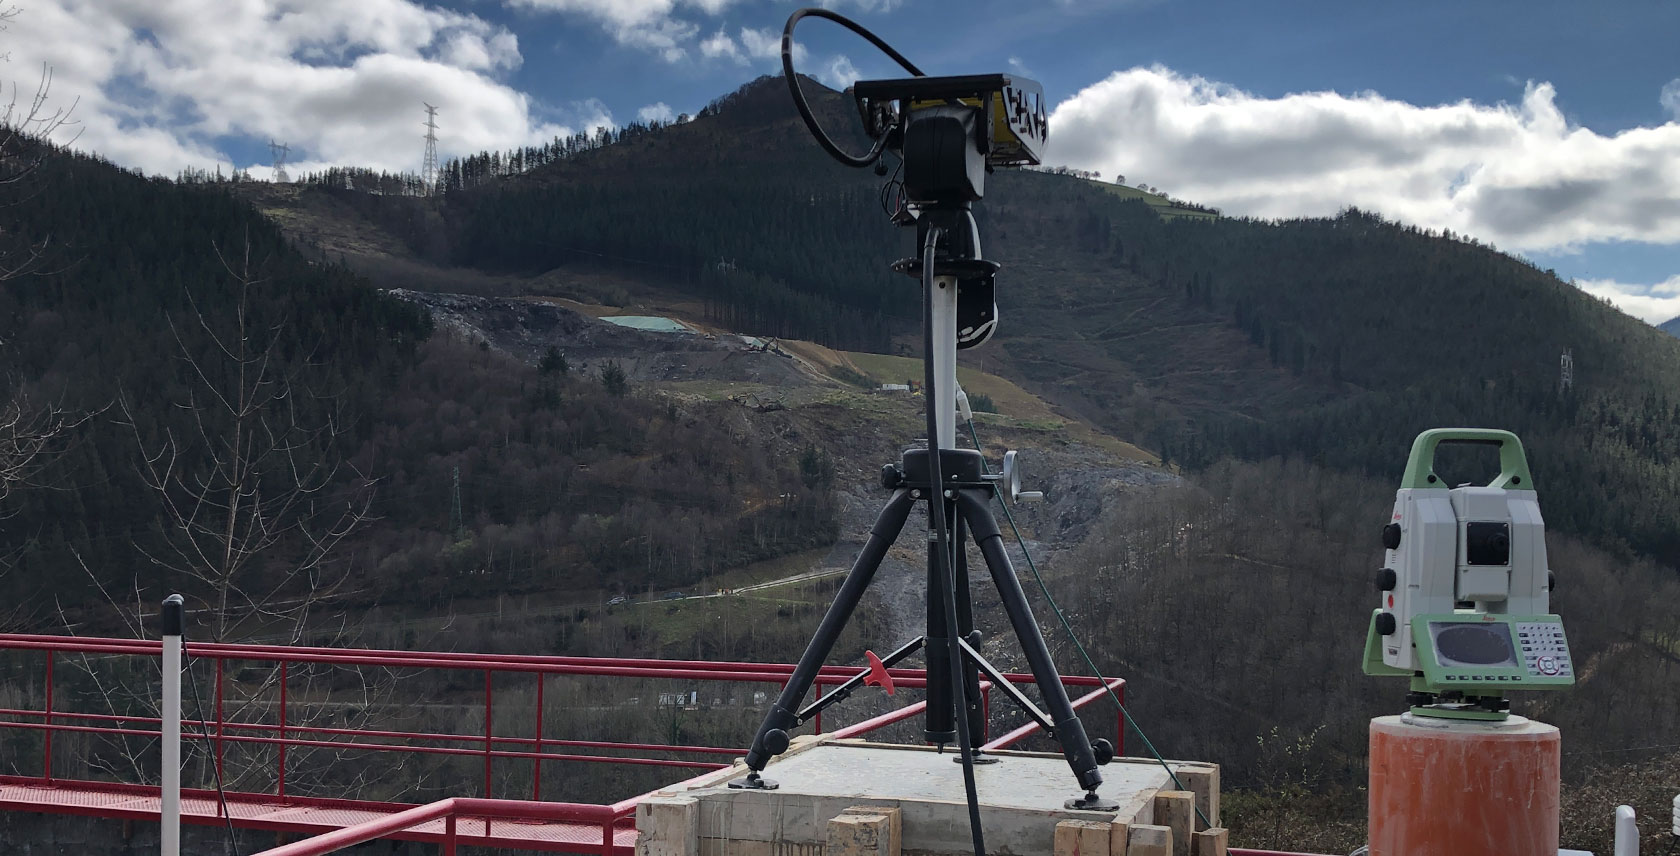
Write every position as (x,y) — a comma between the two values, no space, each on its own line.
(1090,802)
(753,782)
(979,758)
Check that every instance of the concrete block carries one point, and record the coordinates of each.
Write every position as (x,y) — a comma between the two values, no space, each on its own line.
(668,826)
(1082,838)
(734,847)
(895,822)
(1211,842)
(1176,810)
(860,835)
(1203,781)
(1137,806)
(1118,831)
(1149,840)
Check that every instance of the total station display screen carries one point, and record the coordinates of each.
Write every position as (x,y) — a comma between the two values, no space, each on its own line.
(1474,644)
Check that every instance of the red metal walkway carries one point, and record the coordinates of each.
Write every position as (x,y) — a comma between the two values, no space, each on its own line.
(316,816)
(531,824)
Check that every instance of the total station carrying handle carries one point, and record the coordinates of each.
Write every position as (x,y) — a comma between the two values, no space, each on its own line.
(1513,464)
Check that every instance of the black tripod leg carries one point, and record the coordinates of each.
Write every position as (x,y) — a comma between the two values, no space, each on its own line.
(965,629)
(772,735)
(975,508)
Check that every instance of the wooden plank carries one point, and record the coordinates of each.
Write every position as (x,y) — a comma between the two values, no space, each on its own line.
(1118,834)
(1176,810)
(1203,781)
(1082,838)
(668,826)
(895,822)
(1149,840)
(1211,842)
(860,835)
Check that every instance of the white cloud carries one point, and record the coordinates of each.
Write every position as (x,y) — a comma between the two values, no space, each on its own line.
(766,43)
(1518,176)
(660,112)
(838,72)
(862,5)
(648,24)
(721,45)
(160,85)
(1652,303)
(1670,97)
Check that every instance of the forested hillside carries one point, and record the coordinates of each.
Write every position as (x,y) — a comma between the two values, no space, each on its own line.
(1335,339)
(260,429)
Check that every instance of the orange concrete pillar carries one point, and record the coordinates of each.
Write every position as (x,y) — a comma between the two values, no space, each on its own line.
(1446,787)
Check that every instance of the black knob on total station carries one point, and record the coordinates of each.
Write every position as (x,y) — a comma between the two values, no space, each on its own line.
(1551,581)
(1103,750)
(775,741)
(1391,536)
(1387,579)
(1385,624)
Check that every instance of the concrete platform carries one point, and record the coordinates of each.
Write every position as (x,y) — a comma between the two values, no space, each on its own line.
(1022,799)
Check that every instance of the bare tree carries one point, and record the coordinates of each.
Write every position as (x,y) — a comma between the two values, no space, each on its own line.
(255,496)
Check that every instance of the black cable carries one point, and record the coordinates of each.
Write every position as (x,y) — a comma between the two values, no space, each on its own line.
(799,94)
(943,546)
(204,729)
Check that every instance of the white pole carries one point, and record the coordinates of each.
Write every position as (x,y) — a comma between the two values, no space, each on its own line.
(1627,832)
(172,620)
(945,359)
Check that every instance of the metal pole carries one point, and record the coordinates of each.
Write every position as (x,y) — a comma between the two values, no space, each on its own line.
(171,791)
(1627,832)
(945,360)
(46,752)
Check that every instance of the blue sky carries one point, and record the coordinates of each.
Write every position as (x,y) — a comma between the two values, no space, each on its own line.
(1542,127)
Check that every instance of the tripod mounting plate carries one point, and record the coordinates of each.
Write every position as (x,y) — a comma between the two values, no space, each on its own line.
(962,468)
(964,269)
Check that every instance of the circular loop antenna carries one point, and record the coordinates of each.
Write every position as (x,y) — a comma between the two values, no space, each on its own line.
(804,107)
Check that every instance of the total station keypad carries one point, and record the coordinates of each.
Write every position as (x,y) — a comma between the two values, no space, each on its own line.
(1545,651)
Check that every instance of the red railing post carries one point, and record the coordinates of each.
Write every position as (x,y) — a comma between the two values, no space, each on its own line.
(985,711)
(487,744)
(449,835)
(282,771)
(1120,723)
(46,754)
(536,763)
(607,828)
(219,729)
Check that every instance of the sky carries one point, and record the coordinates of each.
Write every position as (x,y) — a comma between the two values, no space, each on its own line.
(1547,129)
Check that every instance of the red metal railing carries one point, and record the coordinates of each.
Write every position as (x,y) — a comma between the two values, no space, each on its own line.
(283,733)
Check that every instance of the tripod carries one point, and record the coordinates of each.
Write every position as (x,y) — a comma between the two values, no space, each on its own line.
(955,488)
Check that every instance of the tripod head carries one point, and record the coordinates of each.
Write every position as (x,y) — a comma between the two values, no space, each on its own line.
(948,133)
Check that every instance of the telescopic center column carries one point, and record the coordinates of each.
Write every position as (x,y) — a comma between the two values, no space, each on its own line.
(945,359)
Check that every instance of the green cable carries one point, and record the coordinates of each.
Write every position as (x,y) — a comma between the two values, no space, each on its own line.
(1089,663)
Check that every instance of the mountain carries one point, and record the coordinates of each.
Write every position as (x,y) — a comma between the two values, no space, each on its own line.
(254,426)
(1671,326)
(1334,339)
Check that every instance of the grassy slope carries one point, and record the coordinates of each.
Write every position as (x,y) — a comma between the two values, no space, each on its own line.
(1161,204)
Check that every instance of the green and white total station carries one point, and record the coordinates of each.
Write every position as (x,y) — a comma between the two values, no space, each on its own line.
(1465,588)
